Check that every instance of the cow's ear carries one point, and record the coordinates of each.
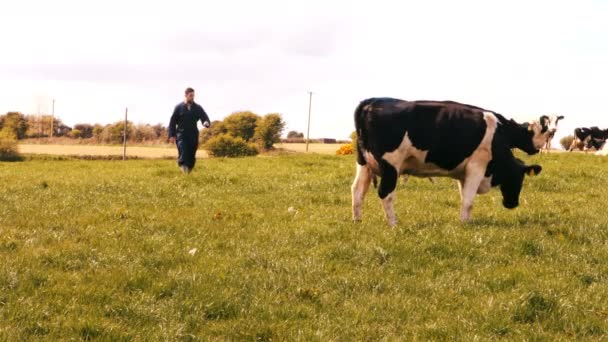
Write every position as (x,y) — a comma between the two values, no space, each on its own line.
(561,117)
(533,170)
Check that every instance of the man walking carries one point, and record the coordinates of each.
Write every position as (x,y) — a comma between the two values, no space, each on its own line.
(184,132)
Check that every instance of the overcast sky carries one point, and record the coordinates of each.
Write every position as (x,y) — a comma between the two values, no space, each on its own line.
(520,58)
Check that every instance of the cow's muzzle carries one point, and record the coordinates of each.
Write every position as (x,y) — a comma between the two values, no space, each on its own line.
(510,205)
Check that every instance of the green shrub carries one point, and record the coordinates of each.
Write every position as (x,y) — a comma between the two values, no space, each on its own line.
(228,146)
(8,150)
(268,130)
(566,141)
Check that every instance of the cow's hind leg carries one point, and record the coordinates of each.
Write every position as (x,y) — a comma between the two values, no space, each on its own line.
(359,189)
(386,191)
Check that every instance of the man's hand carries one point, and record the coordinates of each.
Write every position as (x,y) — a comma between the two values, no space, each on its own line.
(206,124)
(172,140)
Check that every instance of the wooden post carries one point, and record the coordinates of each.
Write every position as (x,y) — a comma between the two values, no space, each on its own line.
(124,148)
(308,130)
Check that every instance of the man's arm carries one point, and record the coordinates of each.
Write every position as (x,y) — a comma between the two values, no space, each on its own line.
(205,118)
(172,129)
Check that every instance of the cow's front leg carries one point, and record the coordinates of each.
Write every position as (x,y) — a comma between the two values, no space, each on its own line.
(386,191)
(359,189)
(468,190)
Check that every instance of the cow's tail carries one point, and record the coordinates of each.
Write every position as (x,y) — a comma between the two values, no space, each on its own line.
(361,116)
(362,113)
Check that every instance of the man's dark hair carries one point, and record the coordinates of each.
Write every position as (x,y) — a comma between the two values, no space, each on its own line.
(189,90)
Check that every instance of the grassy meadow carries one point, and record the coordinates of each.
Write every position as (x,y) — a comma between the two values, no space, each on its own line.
(134,250)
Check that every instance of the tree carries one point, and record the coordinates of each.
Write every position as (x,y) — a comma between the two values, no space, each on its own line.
(217,128)
(86,130)
(241,124)
(268,130)
(566,141)
(295,135)
(353,138)
(160,131)
(98,132)
(113,133)
(143,132)
(14,124)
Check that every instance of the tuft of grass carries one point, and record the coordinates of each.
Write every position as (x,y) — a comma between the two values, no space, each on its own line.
(535,307)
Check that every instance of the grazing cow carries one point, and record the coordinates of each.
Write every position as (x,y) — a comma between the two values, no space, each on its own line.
(587,138)
(549,128)
(440,139)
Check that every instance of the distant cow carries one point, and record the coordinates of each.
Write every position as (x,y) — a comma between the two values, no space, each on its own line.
(440,139)
(587,138)
(549,128)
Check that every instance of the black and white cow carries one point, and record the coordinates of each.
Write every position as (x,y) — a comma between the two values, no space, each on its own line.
(588,138)
(440,139)
(549,128)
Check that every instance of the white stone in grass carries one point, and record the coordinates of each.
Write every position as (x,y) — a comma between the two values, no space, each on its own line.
(292,210)
(193,251)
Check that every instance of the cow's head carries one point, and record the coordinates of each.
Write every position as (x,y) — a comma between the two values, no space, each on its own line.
(548,127)
(510,176)
(522,136)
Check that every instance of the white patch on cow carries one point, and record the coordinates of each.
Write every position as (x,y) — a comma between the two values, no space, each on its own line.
(539,139)
(404,152)
(359,189)
(372,163)
(476,168)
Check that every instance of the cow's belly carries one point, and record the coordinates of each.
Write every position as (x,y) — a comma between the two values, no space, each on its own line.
(407,159)
(421,169)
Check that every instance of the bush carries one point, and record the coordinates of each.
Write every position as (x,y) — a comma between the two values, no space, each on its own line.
(228,146)
(8,150)
(295,135)
(268,130)
(75,133)
(241,124)
(345,149)
(566,141)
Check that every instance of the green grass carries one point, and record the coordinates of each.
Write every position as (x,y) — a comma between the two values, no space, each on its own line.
(100,250)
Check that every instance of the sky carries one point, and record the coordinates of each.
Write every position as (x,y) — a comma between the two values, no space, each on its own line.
(522,59)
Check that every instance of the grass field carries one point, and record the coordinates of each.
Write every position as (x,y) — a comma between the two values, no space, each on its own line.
(136,251)
(152,152)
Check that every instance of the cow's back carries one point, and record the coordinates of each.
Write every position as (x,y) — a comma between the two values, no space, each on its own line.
(449,131)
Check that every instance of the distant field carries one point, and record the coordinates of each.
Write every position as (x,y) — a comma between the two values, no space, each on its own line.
(312,148)
(120,251)
(148,152)
(93,150)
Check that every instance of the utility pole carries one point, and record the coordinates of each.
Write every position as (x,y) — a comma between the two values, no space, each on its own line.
(124,148)
(308,130)
(52,117)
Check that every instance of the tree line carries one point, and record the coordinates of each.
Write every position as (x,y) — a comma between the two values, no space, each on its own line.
(18,126)
(241,133)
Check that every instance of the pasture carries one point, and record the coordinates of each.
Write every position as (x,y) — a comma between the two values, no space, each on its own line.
(137,251)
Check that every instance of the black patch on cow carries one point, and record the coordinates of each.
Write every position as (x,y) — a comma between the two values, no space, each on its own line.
(449,131)
(388,183)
